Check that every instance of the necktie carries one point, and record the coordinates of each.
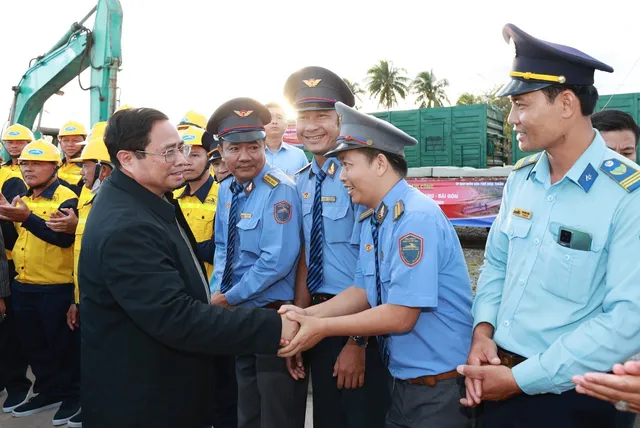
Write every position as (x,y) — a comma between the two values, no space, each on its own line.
(314,275)
(382,346)
(231,238)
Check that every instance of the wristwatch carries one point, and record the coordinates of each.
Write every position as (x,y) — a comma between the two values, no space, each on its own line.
(360,340)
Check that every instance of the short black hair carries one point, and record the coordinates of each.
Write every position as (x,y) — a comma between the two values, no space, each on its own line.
(588,95)
(398,163)
(615,120)
(129,129)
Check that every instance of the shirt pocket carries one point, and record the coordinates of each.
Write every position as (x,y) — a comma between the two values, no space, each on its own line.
(202,224)
(570,273)
(249,234)
(338,225)
(368,266)
(516,229)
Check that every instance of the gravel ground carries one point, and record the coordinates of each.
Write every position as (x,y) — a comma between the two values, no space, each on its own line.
(473,237)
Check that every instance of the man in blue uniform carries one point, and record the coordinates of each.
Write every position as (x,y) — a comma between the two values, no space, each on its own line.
(257,235)
(412,286)
(349,381)
(559,291)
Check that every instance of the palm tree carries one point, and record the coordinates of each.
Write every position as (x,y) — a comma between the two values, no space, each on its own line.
(467,98)
(429,90)
(385,82)
(355,89)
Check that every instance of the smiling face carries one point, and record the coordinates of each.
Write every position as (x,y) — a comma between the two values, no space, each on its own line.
(538,122)
(244,160)
(359,177)
(318,130)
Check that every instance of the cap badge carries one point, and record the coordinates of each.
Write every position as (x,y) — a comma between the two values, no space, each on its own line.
(243,113)
(312,83)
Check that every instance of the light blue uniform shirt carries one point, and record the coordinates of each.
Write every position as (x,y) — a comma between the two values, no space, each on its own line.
(421,266)
(568,311)
(288,158)
(267,242)
(340,223)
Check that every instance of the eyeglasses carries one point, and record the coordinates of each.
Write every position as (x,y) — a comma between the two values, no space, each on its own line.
(171,154)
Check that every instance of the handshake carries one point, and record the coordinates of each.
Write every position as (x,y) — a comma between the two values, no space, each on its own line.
(300,331)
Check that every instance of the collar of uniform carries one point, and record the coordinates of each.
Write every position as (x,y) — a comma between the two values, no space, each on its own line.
(592,156)
(393,196)
(256,180)
(48,192)
(315,168)
(283,146)
(201,193)
(540,171)
(164,209)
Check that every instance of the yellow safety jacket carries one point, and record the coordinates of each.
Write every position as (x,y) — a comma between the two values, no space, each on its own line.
(200,210)
(69,174)
(83,213)
(14,168)
(42,256)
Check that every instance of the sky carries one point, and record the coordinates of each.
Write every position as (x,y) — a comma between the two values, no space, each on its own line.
(196,54)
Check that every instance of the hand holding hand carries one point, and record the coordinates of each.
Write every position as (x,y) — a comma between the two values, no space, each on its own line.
(483,351)
(497,381)
(312,331)
(219,299)
(59,222)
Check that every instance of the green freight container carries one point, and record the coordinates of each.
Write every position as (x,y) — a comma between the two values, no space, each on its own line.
(469,136)
(628,103)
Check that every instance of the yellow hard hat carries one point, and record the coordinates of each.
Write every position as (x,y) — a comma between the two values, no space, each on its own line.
(94,150)
(197,137)
(17,132)
(191,118)
(98,129)
(123,107)
(72,128)
(40,150)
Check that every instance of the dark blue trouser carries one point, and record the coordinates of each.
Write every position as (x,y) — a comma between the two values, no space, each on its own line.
(50,347)
(225,405)
(567,410)
(13,364)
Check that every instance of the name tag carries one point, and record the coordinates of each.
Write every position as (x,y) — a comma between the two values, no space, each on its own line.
(245,215)
(328,199)
(519,212)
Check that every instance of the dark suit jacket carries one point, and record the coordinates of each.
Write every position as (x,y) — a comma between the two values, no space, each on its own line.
(148,332)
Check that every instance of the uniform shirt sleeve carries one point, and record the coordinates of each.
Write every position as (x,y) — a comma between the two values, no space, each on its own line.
(76,188)
(279,247)
(13,187)
(597,344)
(220,256)
(206,250)
(494,270)
(38,227)
(414,275)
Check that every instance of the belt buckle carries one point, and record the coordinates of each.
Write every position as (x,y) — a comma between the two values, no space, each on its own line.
(430,381)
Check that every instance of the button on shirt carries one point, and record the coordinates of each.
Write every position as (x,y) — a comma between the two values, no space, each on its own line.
(288,158)
(569,311)
(340,224)
(267,242)
(421,265)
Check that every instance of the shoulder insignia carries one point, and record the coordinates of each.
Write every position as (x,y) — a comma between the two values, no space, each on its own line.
(249,188)
(282,212)
(588,177)
(270,180)
(304,168)
(526,161)
(410,247)
(627,176)
(398,210)
(382,213)
(366,214)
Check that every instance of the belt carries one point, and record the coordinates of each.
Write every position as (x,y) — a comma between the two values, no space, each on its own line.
(276,305)
(318,298)
(509,359)
(432,380)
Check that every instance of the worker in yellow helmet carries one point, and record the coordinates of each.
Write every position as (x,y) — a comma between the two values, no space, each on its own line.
(13,364)
(42,290)
(14,139)
(198,199)
(191,118)
(96,167)
(70,136)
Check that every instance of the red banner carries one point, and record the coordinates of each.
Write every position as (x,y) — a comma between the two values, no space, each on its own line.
(466,201)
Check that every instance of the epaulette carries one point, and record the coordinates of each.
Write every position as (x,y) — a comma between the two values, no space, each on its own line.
(627,176)
(366,214)
(270,180)
(398,210)
(304,168)
(526,161)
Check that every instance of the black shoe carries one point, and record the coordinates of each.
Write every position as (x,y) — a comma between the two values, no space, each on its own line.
(36,404)
(76,421)
(14,399)
(67,410)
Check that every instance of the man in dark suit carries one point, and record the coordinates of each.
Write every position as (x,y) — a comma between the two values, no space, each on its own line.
(148,333)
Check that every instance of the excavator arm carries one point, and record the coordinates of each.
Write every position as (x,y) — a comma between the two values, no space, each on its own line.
(77,50)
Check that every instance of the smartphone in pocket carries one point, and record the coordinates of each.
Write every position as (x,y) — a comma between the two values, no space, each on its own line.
(574,239)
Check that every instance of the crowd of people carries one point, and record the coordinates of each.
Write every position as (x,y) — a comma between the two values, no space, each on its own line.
(204,274)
